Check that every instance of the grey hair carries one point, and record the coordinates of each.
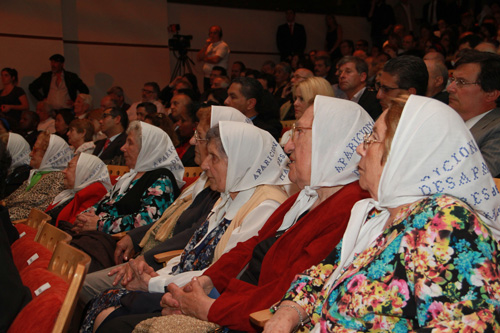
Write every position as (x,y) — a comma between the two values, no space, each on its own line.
(136,127)
(213,135)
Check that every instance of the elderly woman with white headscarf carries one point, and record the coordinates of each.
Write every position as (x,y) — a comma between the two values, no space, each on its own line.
(19,170)
(50,155)
(250,192)
(176,226)
(86,180)
(422,254)
(256,273)
(140,196)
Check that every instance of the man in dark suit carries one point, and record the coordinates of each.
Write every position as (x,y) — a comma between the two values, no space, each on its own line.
(247,95)
(114,122)
(353,73)
(58,86)
(291,37)
(475,95)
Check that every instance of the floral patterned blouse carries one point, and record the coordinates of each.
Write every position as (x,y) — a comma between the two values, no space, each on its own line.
(154,201)
(436,267)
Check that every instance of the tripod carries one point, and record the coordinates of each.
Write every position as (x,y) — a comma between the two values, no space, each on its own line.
(183,64)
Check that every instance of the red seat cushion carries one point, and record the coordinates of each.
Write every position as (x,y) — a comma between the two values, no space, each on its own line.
(21,254)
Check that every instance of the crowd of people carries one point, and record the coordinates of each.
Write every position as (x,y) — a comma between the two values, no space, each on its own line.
(377,210)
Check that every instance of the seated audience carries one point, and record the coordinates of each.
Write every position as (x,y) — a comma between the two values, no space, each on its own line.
(413,254)
(49,156)
(86,179)
(19,170)
(217,96)
(185,127)
(438,80)
(143,109)
(475,96)
(304,93)
(296,234)
(12,97)
(82,106)
(287,109)
(80,135)
(47,122)
(150,93)
(95,117)
(63,118)
(176,226)
(249,195)
(118,96)
(28,125)
(113,122)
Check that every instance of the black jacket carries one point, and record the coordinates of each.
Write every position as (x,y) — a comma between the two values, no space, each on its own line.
(73,83)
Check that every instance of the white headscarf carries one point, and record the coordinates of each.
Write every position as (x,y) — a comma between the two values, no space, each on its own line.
(223,113)
(89,169)
(254,158)
(338,128)
(19,150)
(219,113)
(157,151)
(432,152)
(56,157)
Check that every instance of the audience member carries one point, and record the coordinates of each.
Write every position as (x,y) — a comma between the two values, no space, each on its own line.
(236,69)
(46,114)
(83,104)
(12,97)
(438,80)
(287,111)
(268,81)
(475,95)
(80,135)
(291,37)
(117,95)
(19,170)
(28,126)
(346,47)
(107,102)
(217,96)
(221,82)
(95,117)
(246,95)
(217,71)
(63,118)
(113,124)
(323,68)
(143,109)
(404,74)
(353,73)
(215,52)
(185,127)
(165,123)
(282,73)
(268,67)
(49,157)
(149,93)
(334,36)
(178,103)
(59,87)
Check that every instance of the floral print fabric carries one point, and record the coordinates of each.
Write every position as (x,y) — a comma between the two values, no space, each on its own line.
(154,201)
(435,267)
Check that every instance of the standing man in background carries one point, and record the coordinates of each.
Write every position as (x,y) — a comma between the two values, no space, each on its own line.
(214,53)
(291,37)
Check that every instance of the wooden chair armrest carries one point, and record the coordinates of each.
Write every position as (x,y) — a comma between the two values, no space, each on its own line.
(166,256)
(119,235)
(20,221)
(260,318)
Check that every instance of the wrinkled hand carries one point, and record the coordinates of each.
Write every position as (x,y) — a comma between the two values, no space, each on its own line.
(284,320)
(193,303)
(86,221)
(170,305)
(137,275)
(124,273)
(124,249)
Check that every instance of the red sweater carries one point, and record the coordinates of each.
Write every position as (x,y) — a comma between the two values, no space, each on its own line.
(305,244)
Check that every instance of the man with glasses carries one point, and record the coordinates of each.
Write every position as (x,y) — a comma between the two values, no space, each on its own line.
(402,74)
(149,93)
(474,93)
(353,73)
(114,122)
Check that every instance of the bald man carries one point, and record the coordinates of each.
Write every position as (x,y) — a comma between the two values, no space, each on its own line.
(438,80)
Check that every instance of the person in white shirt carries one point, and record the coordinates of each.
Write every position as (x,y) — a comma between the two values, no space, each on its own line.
(214,53)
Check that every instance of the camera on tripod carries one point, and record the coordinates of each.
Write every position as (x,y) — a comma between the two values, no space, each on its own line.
(179,43)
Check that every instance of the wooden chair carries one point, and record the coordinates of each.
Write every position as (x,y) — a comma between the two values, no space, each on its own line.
(260,318)
(117,170)
(71,265)
(497,182)
(164,257)
(190,172)
(49,236)
(34,219)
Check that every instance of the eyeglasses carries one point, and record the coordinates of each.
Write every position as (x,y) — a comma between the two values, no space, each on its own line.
(197,137)
(368,140)
(297,130)
(385,89)
(147,91)
(104,115)
(461,82)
